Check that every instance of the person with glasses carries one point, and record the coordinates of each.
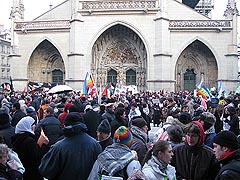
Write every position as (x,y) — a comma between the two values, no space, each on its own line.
(193,159)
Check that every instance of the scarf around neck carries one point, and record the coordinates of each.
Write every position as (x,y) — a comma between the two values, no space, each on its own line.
(161,164)
(114,158)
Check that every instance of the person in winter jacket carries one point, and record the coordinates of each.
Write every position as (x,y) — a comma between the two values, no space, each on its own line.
(104,134)
(109,112)
(28,147)
(226,149)
(119,120)
(156,163)
(193,159)
(51,127)
(73,156)
(116,160)
(92,119)
(139,131)
(230,119)
(208,120)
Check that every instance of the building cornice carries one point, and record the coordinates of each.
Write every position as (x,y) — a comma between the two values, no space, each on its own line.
(42,25)
(219,25)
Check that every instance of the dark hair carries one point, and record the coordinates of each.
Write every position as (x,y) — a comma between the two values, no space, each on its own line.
(192,128)
(50,110)
(161,145)
(119,112)
(16,105)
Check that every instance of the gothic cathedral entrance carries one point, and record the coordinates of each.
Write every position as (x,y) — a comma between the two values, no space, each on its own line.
(196,61)
(46,65)
(119,56)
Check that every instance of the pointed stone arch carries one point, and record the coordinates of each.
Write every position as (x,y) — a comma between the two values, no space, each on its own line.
(45,63)
(198,58)
(119,48)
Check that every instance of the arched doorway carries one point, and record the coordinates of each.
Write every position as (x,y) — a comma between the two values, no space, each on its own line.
(122,49)
(46,64)
(196,61)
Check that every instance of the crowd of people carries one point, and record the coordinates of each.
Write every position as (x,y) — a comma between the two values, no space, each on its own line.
(67,136)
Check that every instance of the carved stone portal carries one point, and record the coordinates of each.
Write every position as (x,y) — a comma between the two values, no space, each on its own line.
(198,58)
(43,61)
(119,49)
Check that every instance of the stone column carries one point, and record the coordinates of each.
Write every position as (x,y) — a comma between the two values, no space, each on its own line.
(76,66)
(161,69)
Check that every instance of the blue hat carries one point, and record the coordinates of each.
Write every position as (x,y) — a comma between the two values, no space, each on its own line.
(30,110)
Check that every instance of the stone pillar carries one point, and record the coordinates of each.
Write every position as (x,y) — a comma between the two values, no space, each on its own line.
(161,69)
(230,78)
(18,69)
(76,66)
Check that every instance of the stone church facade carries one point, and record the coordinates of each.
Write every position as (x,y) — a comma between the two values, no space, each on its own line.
(153,44)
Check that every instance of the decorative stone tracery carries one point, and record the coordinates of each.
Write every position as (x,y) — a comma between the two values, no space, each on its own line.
(119,48)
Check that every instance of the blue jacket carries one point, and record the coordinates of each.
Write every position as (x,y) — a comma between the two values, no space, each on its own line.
(71,157)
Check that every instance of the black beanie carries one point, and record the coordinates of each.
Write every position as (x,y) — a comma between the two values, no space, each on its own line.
(226,139)
(139,122)
(73,118)
(104,127)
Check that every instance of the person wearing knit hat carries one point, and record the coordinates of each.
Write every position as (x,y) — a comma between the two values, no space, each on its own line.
(104,134)
(192,159)
(226,149)
(123,136)
(208,120)
(139,131)
(140,123)
(117,160)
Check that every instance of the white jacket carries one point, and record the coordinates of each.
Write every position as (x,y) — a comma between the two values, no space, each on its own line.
(152,171)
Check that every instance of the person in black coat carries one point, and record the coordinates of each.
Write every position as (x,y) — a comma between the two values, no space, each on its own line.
(109,112)
(119,120)
(18,114)
(51,127)
(6,130)
(104,134)
(226,149)
(28,147)
(92,120)
(230,119)
(72,157)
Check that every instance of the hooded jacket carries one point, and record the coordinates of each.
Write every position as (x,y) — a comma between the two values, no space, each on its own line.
(71,157)
(197,162)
